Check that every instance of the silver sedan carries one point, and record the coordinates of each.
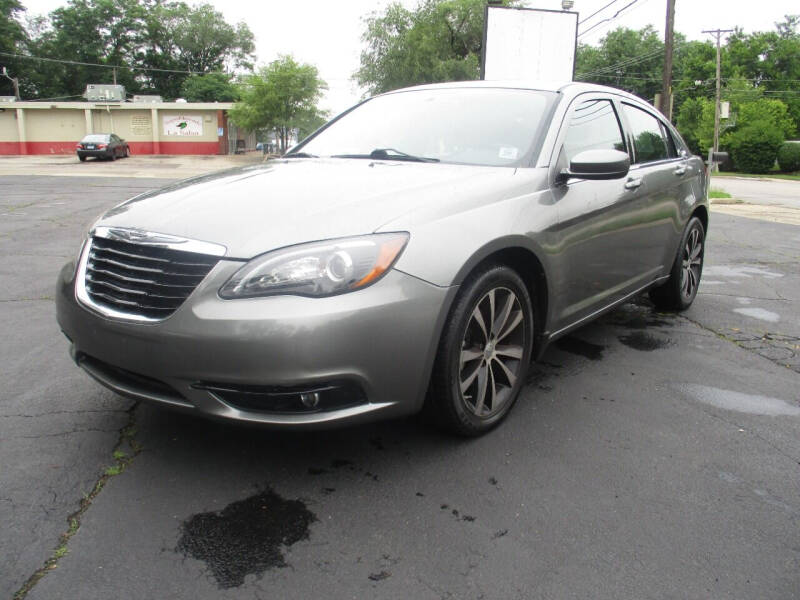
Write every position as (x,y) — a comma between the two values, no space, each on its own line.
(415,253)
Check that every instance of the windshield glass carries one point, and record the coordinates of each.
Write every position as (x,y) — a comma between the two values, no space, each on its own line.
(475,126)
(96,138)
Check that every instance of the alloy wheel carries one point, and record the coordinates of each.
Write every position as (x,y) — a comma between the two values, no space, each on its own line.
(692,262)
(491,352)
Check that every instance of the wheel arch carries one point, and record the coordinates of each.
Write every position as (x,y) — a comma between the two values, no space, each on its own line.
(521,254)
(701,212)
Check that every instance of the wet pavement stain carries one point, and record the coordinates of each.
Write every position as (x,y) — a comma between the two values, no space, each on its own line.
(640,340)
(246,537)
(752,404)
(575,345)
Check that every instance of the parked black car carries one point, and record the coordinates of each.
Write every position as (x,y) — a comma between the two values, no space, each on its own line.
(102,145)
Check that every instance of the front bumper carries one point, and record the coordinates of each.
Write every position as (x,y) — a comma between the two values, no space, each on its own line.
(381,340)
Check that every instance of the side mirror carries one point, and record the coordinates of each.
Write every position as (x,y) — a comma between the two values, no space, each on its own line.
(597,164)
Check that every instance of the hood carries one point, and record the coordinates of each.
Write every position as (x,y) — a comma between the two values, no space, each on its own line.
(251,210)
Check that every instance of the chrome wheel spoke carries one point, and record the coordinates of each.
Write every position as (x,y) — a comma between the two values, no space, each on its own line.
(510,351)
(510,376)
(499,324)
(512,325)
(696,251)
(477,316)
(468,381)
(470,354)
(493,388)
(483,380)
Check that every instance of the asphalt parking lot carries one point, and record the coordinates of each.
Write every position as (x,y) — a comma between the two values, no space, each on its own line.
(651,456)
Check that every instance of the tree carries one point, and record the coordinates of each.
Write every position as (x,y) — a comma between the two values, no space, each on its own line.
(214,87)
(439,41)
(281,96)
(179,37)
(620,46)
(135,35)
(12,38)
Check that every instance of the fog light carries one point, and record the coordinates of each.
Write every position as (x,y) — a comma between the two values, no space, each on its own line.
(310,400)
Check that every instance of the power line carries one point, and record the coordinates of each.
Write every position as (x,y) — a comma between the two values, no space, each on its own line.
(616,14)
(624,63)
(597,12)
(86,64)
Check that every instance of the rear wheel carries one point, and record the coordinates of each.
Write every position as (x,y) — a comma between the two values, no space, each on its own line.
(484,353)
(81,158)
(680,290)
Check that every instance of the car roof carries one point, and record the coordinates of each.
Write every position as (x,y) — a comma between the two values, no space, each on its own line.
(571,88)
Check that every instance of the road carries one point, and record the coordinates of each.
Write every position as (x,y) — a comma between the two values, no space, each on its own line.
(650,456)
(776,192)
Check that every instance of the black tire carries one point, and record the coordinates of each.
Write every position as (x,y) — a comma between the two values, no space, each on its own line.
(680,289)
(127,152)
(466,410)
(113,155)
(82,158)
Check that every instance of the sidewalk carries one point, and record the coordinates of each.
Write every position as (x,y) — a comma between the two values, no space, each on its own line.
(67,165)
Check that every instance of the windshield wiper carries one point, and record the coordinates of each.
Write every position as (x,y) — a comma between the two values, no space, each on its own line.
(300,155)
(384,154)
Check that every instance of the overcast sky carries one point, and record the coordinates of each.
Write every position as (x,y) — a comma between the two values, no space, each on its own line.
(327,33)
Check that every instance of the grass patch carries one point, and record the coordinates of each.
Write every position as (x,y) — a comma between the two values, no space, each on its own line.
(715,193)
(770,175)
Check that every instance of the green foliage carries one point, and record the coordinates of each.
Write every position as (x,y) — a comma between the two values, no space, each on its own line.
(754,147)
(153,34)
(789,157)
(214,87)
(281,96)
(690,120)
(772,111)
(439,41)
(596,64)
(12,39)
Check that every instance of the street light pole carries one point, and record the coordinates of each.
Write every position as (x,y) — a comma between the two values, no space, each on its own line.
(669,38)
(14,82)
(718,34)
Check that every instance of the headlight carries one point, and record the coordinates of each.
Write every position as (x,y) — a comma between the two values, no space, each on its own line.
(319,268)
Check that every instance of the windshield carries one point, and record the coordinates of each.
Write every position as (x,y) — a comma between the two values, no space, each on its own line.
(474,126)
(96,138)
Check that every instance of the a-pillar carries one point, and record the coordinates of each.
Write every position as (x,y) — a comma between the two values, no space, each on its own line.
(23,138)
(156,131)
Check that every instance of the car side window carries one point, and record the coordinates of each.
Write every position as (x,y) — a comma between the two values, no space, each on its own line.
(594,126)
(648,135)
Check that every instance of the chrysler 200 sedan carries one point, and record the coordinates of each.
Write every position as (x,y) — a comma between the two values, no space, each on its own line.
(416,253)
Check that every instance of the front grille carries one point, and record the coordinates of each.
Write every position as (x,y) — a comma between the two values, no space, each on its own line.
(142,280)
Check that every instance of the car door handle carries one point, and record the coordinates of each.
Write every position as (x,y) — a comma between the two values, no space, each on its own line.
(680,170)
(633,183)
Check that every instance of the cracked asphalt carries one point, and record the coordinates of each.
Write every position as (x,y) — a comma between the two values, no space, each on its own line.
(650,456)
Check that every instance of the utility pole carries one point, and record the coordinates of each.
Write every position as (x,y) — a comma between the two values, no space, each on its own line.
(114,71)
(14,82)
(717,33)
(669,39)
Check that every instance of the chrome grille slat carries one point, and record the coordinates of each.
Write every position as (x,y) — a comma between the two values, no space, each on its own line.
(127,265)
(120,277)
(140,280)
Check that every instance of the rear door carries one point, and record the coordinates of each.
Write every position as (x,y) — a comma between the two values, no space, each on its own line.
(665,176)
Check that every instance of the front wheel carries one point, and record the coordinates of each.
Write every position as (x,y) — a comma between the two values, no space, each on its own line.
(484,353)
(680,289)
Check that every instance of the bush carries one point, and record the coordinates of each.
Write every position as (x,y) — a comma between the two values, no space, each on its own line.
(754,147)
(789,157)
